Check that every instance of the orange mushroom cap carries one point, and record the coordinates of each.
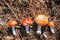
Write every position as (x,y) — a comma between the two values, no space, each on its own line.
(41,19)
(26,21)
(51,24)
(12,23)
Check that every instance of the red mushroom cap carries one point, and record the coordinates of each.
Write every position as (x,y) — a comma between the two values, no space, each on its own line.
(41,19)
(12,22)
(26,21)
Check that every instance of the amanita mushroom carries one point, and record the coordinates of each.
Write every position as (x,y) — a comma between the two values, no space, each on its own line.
(26,22)
(51,25)
(41,20)
(12,23)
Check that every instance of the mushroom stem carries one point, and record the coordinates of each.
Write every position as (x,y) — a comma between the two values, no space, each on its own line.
(52,29)
(39,30)
(27,29)
(13,30)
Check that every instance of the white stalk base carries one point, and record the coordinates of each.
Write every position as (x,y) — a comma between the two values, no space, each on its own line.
(13,31)
(27,29)
(39,30)
(52,29)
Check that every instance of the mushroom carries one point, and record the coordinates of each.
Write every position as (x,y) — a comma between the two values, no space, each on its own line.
(40,20)
(26,22)
(12,23)
(51,25)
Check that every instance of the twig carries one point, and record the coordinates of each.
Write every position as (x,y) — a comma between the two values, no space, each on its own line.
(11,10)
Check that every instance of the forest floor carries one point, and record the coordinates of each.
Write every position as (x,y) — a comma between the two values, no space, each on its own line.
(19,9)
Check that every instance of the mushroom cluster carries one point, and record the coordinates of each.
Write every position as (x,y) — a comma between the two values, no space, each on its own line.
(41,20)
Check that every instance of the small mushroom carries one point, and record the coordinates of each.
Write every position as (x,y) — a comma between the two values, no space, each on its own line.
(40,20)
(51,25)
(26,22)
(12,23)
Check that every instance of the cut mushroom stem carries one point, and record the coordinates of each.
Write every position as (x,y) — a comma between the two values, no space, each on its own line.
(13,31)
(52,29)
(27,29)
(39,30)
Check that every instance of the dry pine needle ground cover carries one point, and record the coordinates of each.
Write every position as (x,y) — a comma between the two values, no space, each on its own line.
(19,9)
